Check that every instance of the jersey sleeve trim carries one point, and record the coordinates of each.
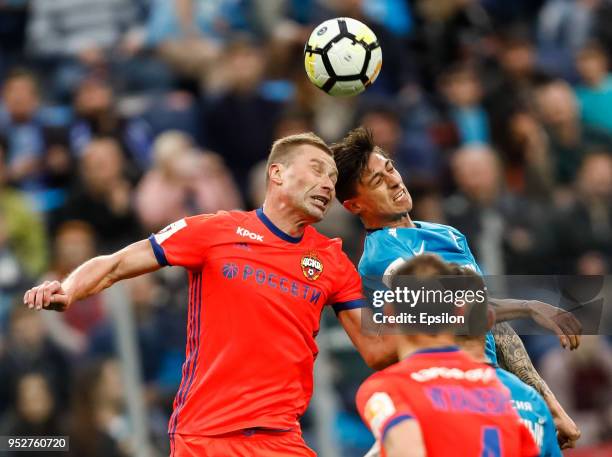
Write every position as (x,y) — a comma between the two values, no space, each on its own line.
(351,304)
(392,422)
(160,255)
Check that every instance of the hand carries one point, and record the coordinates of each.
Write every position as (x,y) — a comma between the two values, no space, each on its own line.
(567,430)
(561,322)
(49,295)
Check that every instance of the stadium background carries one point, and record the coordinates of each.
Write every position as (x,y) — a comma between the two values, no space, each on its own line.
(120,116)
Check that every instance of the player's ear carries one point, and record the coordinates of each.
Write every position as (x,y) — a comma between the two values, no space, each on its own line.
(275,173)
(352,206)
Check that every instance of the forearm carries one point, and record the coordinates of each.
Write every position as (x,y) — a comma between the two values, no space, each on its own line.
(513,357)
(507,309)
(91,277)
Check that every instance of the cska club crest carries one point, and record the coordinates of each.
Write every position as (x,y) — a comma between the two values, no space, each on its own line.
(311,266)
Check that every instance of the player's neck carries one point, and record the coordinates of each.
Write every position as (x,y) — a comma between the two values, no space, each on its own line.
(408,345)
(474,347)
(285,218)
(402,220)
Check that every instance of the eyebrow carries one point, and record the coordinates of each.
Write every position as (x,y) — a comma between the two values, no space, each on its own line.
(378,173)
(320,162)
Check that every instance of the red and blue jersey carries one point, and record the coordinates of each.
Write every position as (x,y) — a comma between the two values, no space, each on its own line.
(461,407)
(256,297)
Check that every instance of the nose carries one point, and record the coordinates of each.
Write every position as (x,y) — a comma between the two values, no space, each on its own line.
(393,178)
(328,184)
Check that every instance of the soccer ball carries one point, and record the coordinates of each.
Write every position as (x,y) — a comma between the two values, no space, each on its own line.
(342,57)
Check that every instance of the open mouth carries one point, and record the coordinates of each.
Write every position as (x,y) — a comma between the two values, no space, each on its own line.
(322,200)
(399,195)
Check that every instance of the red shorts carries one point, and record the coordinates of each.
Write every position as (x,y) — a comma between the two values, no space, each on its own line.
(241,444)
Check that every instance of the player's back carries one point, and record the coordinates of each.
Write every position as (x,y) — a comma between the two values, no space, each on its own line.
(460,405)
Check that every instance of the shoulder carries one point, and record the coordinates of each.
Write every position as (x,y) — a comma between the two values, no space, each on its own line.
(220,217)
(433,226)
(319,241)
(381,381)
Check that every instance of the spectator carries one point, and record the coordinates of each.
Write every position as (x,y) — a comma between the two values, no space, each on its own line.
(183,182)
(35,412)
(74,39)
(36,155)
(418,164)
(28,349)
(74,243)
(569,139)
(584,229)
(98,427)
(103,198)
(527,161)
(242,109)
(23,234)
(595,92)
(582,382)
(96,115)
(463,96)
(508,234)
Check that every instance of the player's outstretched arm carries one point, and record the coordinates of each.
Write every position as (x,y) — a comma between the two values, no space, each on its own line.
(561,322)
(92,277)
(513,357)
(378,351)
(405,440)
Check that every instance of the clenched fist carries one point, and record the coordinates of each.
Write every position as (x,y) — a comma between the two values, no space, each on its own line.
(48,295)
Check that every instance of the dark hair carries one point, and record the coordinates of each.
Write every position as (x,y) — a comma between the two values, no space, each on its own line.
(432,272)
(21,73)
(351,156)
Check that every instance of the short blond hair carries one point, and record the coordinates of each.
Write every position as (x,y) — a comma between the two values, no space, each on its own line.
(283,148)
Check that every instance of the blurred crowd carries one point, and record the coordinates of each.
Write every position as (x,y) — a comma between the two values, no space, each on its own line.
(118,117)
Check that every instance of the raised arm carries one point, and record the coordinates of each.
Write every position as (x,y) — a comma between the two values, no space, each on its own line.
(561,322)
(92,277)
(513,357)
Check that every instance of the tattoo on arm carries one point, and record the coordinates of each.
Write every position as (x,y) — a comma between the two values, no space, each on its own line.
(513,357)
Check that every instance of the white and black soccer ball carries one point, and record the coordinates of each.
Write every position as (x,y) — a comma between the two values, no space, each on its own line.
(342,57)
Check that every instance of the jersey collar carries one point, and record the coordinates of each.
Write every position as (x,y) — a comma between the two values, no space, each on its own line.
(436,350)
(416,225)
(274,229)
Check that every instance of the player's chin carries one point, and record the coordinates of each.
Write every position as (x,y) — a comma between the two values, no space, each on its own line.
(316,212)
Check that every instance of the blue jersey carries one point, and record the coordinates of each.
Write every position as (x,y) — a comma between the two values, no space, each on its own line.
(386,248)
(534,413)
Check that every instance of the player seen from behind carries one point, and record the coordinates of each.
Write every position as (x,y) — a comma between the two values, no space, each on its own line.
(437,400)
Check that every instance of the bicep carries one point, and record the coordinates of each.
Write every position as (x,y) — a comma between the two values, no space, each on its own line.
(134,260)
(404,440)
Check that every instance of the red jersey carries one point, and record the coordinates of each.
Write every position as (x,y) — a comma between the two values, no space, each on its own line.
(256,297)
(460,405)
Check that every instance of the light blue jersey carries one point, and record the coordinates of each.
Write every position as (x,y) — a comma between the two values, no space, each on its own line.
(534,413)
(386,248)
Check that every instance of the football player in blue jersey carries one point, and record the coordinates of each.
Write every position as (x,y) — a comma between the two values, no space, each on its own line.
(370,187)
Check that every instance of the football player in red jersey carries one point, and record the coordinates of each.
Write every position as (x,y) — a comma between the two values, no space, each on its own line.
(258,283)
(437,401)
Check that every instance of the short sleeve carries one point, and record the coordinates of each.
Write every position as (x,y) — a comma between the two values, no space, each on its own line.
(380,408)
(348,293)
(184,242)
